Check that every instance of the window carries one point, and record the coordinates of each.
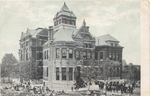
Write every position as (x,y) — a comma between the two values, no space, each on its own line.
(41,56)
(59,21)
(89,55)
(26,54)
(86,45)
(64,53)
(68,22)
(64,21)
(57,53)
(101,55)
(64,74)
(73,22)
(115,44)
(21,45)
(57,73)
(77,54)
(70,53)
(70,73)
(111,44)
(56,22)
(47,54)
(85,55)
(44,54)
(47,72)
(27,43)
(110,56)
(117,56)
(113,56)
(90,46)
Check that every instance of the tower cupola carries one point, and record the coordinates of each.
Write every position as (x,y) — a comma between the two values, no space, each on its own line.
(64,17)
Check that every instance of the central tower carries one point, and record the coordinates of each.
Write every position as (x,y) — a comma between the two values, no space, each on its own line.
(64,18)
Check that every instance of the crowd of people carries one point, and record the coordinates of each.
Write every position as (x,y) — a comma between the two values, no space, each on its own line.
(45,91)
(116,87)
(36,90)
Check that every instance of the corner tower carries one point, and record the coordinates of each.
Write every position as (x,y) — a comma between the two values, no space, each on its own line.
(64,18)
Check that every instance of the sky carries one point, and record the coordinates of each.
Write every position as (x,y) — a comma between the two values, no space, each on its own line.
(120,19)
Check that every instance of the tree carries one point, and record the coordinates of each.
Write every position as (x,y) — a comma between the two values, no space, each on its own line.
(28,70)
(7,64)
(133,73)
(89,72)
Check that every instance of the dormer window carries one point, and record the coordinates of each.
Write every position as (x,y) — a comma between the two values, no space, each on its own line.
(116,44)
(111,44)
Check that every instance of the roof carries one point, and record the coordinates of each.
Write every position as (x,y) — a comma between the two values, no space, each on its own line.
(28,32)
(102,40)
(64,8)
(83,31)
(63,34)
(34,32)
(65,11)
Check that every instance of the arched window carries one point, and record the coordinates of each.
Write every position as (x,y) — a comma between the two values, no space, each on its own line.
(70,53)
(77,54)
(64,53)
(85,55)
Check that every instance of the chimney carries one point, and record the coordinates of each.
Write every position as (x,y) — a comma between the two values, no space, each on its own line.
(50,33)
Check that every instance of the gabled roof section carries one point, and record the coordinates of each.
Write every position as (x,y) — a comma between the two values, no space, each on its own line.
(34,32)
(64,8)
(83,31)
(44,32)
(23,35)
(102,40)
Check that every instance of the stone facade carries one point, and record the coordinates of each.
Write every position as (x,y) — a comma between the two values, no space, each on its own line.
(31,49)
(63,50)
(66,50)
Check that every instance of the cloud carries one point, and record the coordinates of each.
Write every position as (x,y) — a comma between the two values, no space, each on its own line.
(105,14)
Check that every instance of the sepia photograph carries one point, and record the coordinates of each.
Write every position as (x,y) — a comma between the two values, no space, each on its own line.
(70,48)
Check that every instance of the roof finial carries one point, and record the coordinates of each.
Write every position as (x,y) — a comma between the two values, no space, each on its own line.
(84,23)
(64,3)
